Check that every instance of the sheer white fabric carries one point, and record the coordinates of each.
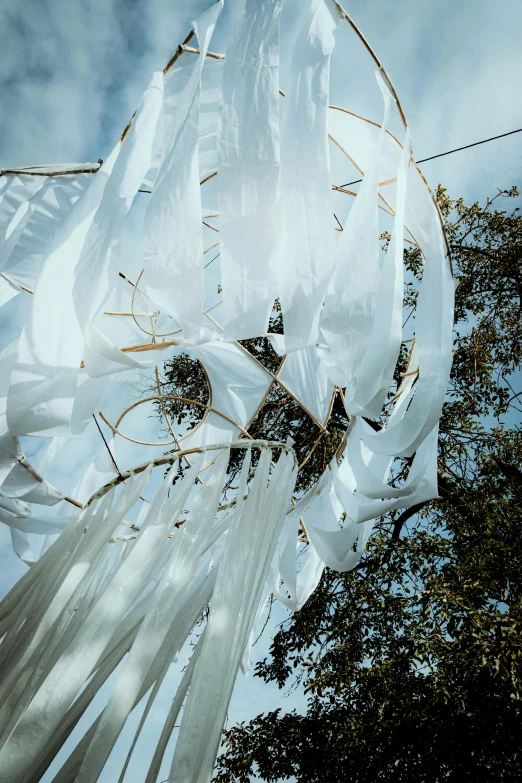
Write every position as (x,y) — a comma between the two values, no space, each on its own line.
(306,259)
(172,241)
(101,588)
(249,171)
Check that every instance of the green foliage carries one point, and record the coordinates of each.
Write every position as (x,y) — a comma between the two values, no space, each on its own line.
(185,380)
(412,662)
(279,417)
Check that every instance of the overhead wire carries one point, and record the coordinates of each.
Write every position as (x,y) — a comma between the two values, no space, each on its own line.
(211,261)
(432,157)
(450,152)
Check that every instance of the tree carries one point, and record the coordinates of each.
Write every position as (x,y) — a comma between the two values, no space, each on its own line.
(413,661)
(280,416)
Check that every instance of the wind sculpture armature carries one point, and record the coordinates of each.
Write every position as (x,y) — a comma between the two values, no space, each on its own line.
(108,590)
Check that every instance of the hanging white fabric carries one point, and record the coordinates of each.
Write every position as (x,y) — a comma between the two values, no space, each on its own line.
(172,240)
(349,309)
(306,258)
(434,322)
(44,377)
(22,252)
(97,268)
(249,170)
(116,589)
(366,394)
(238,591)
(75,282)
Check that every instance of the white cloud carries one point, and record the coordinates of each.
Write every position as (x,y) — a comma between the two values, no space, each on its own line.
(73,72)
(456,69)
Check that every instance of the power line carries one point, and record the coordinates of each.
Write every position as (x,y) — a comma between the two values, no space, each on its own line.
(211,261)
(475,144)
(450,152)
(432,157)
(107,446)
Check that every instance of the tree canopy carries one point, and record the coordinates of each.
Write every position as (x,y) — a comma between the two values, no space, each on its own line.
(412,662)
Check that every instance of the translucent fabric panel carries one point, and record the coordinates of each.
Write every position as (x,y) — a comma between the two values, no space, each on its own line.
(44,378)
(306,257)
(15,192)
(75,282)
(97,269)
(239,589)
(19,479)
(46,210)
(366,394)
(299,578)
(358,487)
(63,683)
(249,193)
(169,593)
(175,82)
(208,116)
(433,330)
(349,308)
(172,240)
(193,606)
(304,375)
(22,672)
(237,381)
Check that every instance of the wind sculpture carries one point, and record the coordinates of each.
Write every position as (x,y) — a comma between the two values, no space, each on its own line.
(107,592)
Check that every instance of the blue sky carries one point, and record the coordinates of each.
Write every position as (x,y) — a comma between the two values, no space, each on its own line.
(72,72)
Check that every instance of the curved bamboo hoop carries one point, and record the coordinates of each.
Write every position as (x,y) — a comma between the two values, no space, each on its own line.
(152,334)
(342,13)
(171,458)
(184,48)
(115,428)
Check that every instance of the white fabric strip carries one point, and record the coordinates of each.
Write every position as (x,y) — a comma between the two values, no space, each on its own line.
(239,589)
(306,258)
(349,309)
(249,170)
(433,331)
(22,253)
(169,593)
(15,192)
(366,394)
(44,377)
(172,238)
(97,269)
(76,278)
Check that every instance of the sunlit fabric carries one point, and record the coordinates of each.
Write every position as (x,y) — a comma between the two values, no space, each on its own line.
(216,226)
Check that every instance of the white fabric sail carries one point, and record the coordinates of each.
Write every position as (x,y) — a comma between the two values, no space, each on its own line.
(44,377)
(124,565)
(72,287)
(306,257)
(173,250)
(249,171)
(350,307)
